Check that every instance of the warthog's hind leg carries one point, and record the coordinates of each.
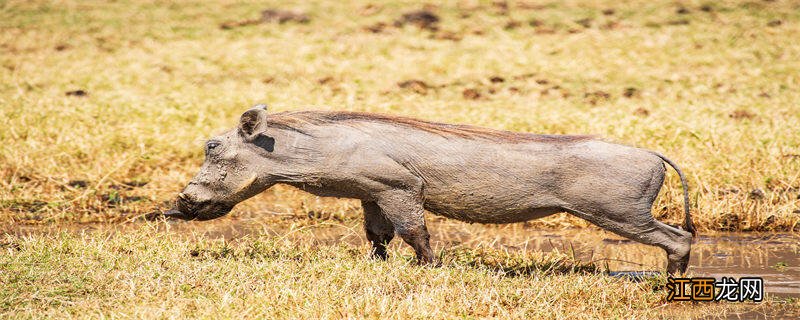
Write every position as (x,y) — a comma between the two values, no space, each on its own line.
(379,229)
(643,228)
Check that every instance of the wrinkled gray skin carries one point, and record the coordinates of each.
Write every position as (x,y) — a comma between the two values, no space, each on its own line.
(398,171)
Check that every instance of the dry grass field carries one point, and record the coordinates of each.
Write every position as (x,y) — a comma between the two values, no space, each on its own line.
(105,106)
(150,271)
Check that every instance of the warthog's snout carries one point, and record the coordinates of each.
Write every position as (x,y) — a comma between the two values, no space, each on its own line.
(187,208)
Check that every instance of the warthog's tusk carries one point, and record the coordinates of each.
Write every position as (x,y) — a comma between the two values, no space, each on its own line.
(183,196)
(176,214)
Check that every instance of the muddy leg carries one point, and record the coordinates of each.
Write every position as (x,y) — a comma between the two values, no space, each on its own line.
(641,227)
(379,229)
(419,239)
(678,254)
(677,243)
(405,211)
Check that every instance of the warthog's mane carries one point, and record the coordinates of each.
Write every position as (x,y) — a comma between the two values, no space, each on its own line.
(298,120)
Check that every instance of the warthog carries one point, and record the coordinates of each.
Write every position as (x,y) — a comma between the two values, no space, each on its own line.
(399,167)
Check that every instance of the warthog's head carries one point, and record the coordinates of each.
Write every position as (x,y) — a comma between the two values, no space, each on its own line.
(232,172)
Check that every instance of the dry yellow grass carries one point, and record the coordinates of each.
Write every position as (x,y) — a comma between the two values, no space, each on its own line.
(713,85)
(104,107)
(148,271)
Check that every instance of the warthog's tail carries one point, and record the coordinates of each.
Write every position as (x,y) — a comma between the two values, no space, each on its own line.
(687,223)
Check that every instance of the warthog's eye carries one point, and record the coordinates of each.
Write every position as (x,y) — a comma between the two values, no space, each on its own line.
(211,145)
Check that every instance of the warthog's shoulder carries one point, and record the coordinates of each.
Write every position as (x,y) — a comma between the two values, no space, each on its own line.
(299,120)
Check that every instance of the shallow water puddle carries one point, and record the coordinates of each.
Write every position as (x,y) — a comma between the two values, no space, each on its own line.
(774,257)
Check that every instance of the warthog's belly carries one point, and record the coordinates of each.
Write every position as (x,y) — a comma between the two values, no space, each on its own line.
(485,215)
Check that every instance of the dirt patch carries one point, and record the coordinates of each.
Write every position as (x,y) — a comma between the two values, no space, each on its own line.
(512,24)
(77,93)
(23,205)
(479,88)
(471,94)
(414,85)
(757,194)
(378,27)
(525,5)
(11,246)
(78,183)
(642,112)
(630,92)
(235,24)
(115,198)
(535,23)
(586,22)
(128,185)
(596,97)
(774,23)
(447,35)
(741,114)
(611,25)
(678,22)
(564,93)
(423,19)
(269,16)
(540,27)
(652,24)
(284,16)
(500,7)
(369,10)
(325,80)
(136,183)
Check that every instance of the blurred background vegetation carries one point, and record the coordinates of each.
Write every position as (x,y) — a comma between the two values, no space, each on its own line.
(104,106)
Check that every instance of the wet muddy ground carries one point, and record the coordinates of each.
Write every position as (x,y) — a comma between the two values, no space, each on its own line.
(775,257)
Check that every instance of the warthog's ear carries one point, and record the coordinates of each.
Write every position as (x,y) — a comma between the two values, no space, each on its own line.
(253,122)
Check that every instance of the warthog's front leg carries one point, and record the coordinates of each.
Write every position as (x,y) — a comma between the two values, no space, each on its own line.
(405,211)
(379,229)
(419,239)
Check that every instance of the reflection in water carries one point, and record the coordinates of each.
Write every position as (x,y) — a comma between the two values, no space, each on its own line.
(775,257)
